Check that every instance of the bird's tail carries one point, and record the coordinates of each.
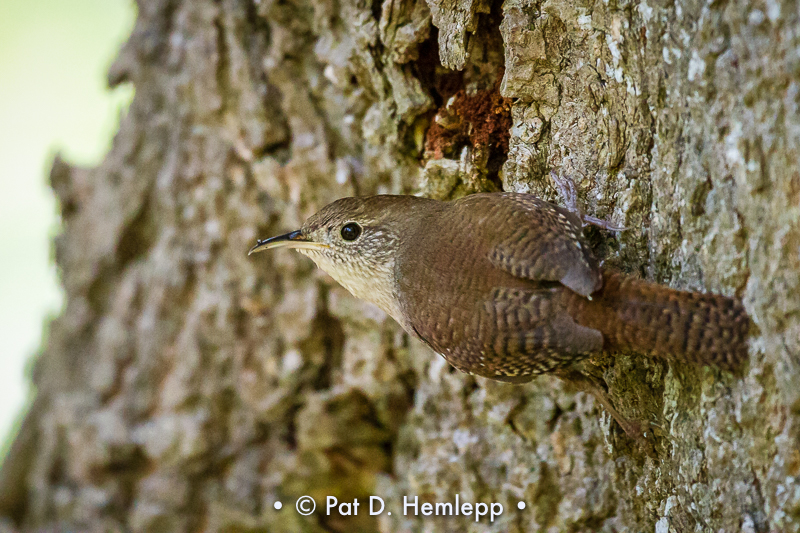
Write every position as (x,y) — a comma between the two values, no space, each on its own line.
(684,326)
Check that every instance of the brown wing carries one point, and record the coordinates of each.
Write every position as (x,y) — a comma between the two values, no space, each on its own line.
(513,335)
(533,334)
(544,242)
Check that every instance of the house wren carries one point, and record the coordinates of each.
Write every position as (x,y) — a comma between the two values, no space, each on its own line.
(505,286)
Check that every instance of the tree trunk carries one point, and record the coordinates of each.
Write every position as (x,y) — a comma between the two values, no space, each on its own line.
(187,387)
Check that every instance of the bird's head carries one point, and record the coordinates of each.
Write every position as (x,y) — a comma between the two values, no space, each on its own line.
(356,241)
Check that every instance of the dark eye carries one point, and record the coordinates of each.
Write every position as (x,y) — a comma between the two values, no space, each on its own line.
(351,231)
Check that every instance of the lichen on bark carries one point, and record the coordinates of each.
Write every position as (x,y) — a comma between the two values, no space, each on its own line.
(188,387)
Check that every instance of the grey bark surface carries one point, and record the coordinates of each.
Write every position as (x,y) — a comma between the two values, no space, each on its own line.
(187,387)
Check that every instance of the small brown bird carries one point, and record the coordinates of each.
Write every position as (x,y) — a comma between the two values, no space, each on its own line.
(504,285)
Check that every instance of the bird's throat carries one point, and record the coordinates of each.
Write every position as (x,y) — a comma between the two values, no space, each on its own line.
(374,283)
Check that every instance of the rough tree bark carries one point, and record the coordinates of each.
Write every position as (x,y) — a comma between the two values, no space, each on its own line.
(187,387)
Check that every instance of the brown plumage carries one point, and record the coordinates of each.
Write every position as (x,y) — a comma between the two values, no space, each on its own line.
(505,286)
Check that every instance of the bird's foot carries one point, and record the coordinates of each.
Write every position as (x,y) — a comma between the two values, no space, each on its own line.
(569,195)
(632,428)
(600,223)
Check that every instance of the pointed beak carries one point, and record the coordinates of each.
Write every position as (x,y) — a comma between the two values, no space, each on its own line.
(294,240)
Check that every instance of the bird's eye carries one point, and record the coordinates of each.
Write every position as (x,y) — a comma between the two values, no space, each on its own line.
(351,231)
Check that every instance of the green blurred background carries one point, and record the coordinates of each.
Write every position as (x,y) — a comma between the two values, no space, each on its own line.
(54,55)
